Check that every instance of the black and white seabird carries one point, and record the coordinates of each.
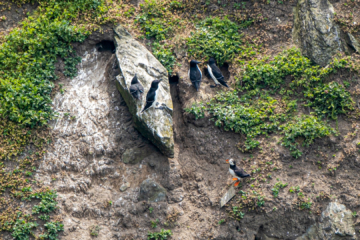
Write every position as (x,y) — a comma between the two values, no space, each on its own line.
(195,74)
(136,89)
(236,172)
(151,95)
(215,73)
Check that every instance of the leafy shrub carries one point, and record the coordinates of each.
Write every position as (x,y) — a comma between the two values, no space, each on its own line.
(252,121)
(52,230)
(260,73)
(164,54)
(163,234)
(47,201)
(22,229)
(157,22)
(215,37)
(330,99)
(307,127)
(197,109)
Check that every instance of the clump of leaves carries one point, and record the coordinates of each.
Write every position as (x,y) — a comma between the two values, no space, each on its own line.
(218,38)
(53,228)
(22,229)
(94,230)
(163,234)
(277,187)
(306,127)
(330,99)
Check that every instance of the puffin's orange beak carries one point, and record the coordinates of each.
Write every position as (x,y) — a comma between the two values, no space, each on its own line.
(227,160)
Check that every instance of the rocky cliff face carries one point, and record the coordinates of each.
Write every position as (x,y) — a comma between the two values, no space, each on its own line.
(156,123)
(110,165)
(315,30)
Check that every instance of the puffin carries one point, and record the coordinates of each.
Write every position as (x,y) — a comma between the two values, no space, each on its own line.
(215,73)
(195,74)
(136,89)
(236,172)
(151,95)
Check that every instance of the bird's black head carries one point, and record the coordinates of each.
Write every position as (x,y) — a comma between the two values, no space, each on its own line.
(212,60)
(134,80)
(193,63)
(155,83)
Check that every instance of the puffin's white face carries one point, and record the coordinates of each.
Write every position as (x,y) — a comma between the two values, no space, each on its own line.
(231,161)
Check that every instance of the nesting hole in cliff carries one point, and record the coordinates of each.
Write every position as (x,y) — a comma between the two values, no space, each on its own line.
(106,45)
(174,79)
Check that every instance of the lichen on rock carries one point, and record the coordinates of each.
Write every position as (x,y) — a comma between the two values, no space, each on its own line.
(336,222)
(315,30)
(155,124)
(152,191)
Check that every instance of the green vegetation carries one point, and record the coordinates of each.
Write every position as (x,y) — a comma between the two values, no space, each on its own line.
(218,38)
(154,223)
(264,102)
(221,221)
(163,234)
(94,230)
(279,185)
(28,55)
(308,128)
(157,22)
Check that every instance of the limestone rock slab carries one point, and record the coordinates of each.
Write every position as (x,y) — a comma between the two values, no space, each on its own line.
(315,30)
(154,124)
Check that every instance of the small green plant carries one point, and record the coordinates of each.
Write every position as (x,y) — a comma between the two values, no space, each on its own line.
(162,235)
(237,213)
(44,217)
(52,230)
(294,189)
(94,230)
(22,229)
(151,209)
(154,223)
(306,204)
(197,109)
(221,221)
(354,214)
(277,187)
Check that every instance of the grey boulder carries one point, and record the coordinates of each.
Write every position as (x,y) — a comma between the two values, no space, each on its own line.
(151,191)
(154,124)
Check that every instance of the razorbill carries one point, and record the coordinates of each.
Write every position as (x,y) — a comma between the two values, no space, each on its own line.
(215,73)
(136,89)
(195,74)
(151,95)
(236,172)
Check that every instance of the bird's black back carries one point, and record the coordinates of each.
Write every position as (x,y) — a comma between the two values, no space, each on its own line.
(216,71)
(239,172)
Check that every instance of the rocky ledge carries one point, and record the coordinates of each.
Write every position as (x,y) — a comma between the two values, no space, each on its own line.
(156,124)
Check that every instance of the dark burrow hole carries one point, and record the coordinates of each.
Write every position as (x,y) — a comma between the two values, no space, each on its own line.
(224,69)
(174,79)
(106,45)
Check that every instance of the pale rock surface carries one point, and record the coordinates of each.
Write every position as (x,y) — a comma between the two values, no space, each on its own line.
(154,124)
(336,222)
(315,31)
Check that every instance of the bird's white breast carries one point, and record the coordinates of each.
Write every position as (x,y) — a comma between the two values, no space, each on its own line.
(199,71)
(232,172)
(212,75)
